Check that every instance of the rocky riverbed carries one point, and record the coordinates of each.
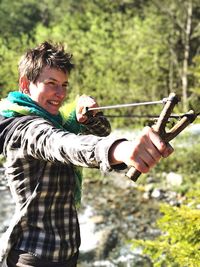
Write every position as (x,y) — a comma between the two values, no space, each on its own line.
(117,210)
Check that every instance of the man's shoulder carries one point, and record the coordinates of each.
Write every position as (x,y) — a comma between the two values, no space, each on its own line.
(9,125)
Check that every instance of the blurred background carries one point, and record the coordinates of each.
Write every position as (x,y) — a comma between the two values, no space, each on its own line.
(124,51)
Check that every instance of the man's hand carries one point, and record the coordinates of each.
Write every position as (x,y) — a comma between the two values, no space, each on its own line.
(143,153)
(83,102)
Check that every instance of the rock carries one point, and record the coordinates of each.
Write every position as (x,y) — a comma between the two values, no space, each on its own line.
(149,187)
(156,193)
(108,239)
(146,196)
(97,219)
(174,179)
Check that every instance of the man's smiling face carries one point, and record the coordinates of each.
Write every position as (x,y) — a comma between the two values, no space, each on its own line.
(50,89)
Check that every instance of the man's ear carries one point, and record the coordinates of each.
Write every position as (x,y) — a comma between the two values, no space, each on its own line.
(24,85)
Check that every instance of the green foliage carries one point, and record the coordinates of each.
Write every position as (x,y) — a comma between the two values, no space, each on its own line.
(10,55)
(119,57)
(18,17)
(179,244)
(122,49)
(195,89)
(2,160)
(185,159)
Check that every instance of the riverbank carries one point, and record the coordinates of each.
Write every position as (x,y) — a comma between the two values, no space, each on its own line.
(117,210)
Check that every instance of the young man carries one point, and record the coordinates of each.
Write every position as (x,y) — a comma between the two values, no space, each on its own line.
(43,148)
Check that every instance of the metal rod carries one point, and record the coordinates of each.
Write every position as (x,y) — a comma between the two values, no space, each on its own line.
(163,101)
(141,116)
(173,116)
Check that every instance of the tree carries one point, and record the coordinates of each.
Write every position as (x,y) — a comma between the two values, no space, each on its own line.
(120,58)
(10,55)
(124,51)
(18,17)
(183,16)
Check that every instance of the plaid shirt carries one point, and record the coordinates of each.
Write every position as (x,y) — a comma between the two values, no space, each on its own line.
(40,172)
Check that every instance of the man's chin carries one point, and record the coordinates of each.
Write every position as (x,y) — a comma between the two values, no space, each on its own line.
(53,111)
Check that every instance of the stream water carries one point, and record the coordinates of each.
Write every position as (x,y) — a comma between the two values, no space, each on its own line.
(115,211)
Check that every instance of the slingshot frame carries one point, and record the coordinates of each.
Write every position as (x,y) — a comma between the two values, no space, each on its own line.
(159,127)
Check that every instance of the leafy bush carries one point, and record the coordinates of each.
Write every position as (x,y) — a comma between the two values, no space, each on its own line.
(184,160)
(179,245)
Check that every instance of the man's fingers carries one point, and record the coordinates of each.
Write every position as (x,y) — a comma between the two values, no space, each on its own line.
(83,104)
(156,139)
(168,151)
(153,147)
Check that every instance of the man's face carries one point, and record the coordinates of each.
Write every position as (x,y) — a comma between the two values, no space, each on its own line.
(50,89)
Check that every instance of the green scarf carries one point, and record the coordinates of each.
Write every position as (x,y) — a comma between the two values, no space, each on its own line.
(19,104)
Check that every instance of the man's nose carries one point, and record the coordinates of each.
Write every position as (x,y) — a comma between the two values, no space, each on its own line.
(60,90)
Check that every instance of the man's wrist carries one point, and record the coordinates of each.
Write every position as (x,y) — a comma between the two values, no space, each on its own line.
(116,152)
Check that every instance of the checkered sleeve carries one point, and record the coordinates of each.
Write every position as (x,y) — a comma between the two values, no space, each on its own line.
(98,125)
(42,141)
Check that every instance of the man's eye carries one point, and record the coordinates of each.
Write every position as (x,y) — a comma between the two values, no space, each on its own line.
(65,86)
(51,83)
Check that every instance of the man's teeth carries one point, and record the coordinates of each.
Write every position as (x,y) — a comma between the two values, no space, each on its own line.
(54,102)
